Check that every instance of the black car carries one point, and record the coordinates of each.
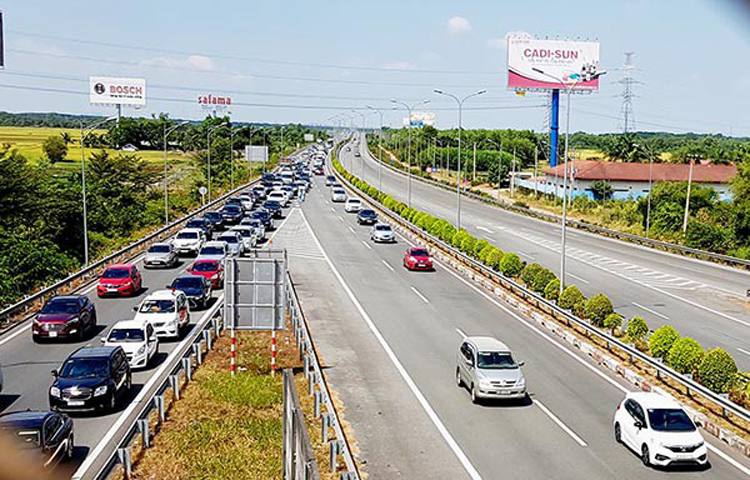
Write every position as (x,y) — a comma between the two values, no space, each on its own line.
(273,207)
(48,434)
(234,201)
(203,224)
(259,192)
(264,216)
(232,214)
(216,219)
(90,379)
(65,316)
(197,288)
(367,217)
(268,177)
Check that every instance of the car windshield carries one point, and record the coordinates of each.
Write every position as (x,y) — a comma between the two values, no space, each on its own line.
(157,306)
(365,213)
(232,209)
(195,224)
(271,203)
(243,232)
(187,282)
(213,216)
(206,267)
(85,368)
(126,335)
(61,306)
(212,251)
(353,200)
(495,361)
(670,420)
(229,239)
(115,273)
(189,235)
(419,252)
(383,228)
(338,192)
(159,249)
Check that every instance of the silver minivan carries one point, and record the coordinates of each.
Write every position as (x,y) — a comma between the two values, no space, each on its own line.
(487,367)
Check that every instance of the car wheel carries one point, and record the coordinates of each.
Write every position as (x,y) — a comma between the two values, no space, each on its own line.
(618,433)
(645,458)
(474,398)
(71,448)
(81,333)
(459,382)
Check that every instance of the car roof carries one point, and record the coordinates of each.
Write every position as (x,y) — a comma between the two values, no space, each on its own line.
(26,419)
(130,324)
(653,400)
(127,266)
(206,260)
(89,352)
(228,233)
(191,230)
(162,295)
(214,243)
(488,344)
(66,297)
(161,244)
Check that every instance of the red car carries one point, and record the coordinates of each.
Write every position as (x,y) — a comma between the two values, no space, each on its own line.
(211,269)
(418,259)
(120,280)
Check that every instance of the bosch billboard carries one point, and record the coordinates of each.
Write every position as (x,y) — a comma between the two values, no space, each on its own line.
(117,91)
(550,64)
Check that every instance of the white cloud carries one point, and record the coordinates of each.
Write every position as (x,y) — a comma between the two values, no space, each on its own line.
(398,65)
(192,62)
(458,25)
(200,62)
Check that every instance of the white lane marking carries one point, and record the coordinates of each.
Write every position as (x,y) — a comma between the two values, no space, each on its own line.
(137,402)
(15,334)
(524,254)
(650,311)
(333,209)
(341,218)
(743,351)
(729,459)
(473,473)
(424,299)
(485,229)
(577,277)
(461,332)
(387,265)
(352,230)
(560,423)
(366,245)
(702,307)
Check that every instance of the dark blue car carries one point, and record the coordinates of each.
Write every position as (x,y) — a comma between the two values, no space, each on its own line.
(197,289)
(273,207)
(264,216)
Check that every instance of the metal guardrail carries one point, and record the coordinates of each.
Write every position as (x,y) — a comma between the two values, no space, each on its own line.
(581,225)
(298,454)
(177,374)
(551,308)
(338,445)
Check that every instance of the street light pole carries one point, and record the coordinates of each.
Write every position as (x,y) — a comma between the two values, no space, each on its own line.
(166,179)
(409,108)
(687,198)
(380,145)
(460,103)
(85,133)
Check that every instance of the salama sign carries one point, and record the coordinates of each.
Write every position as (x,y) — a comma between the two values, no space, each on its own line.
(561,61)
(214,102)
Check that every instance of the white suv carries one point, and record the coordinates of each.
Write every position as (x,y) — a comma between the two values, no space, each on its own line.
(658,429)
(338,194)
(189,241)
(353,205)
(166,310)
(280,196)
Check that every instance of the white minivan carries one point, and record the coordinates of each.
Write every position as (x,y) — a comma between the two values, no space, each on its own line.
(487,367)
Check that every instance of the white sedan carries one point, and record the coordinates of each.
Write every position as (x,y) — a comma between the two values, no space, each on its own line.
(137,339)
(353,205)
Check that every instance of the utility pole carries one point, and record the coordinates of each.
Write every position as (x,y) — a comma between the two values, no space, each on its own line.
(536,169)
(474,173)
(627,82)
(687,198)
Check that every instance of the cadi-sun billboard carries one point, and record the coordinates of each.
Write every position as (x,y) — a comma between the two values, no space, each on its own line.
(117,91)
(545,64)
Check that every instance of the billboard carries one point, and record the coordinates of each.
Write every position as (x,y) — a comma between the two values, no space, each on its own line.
(572,62)
(214,103)
(419,119)
(117,91)
(309,137)
(256,153)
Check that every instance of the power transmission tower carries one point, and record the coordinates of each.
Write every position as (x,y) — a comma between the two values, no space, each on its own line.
(627,81)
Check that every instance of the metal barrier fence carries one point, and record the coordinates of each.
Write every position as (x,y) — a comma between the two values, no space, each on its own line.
(558,313)
(140,429)
(298,453)
(338,445)
(606,232)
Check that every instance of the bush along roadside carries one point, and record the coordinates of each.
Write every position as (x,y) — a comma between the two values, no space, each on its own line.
(715,370)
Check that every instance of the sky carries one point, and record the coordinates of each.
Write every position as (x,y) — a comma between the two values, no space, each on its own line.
(304,62)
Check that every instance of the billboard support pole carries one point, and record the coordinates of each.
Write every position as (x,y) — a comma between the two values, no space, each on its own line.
(554,127)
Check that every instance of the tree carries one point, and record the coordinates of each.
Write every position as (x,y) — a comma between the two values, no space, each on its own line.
(597,309)
(613,321)
(626,148)
(685,355)
(55,148)
(662,340)
(637,329)
(717,370)
(602,190)
(66,138)
(510,265)
(570,297)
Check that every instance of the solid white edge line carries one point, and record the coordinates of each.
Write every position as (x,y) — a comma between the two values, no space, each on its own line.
(424,299)
(650,311)
(729,459)
(94,454)
(452,444)
(743,351)
(387,265)
(560,423)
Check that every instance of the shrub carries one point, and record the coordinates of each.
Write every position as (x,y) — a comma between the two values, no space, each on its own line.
(662,340)
(399,207)
(55,148)
(447,232)
(552,290)
(428,221)
(510,265)
(685,355)
(458,238)
(529,273)
(494,258)
(478,247)
(637,329)
(484,253)
(542,278)
(468,244)
(597,309)
(717,370)
(579,309)
(613,321)
(570,297)
(437,227)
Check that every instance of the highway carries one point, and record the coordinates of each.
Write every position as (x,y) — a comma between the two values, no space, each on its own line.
(564,431)
(702,300)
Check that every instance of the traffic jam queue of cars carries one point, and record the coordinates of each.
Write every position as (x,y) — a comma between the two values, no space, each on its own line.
(99,378)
